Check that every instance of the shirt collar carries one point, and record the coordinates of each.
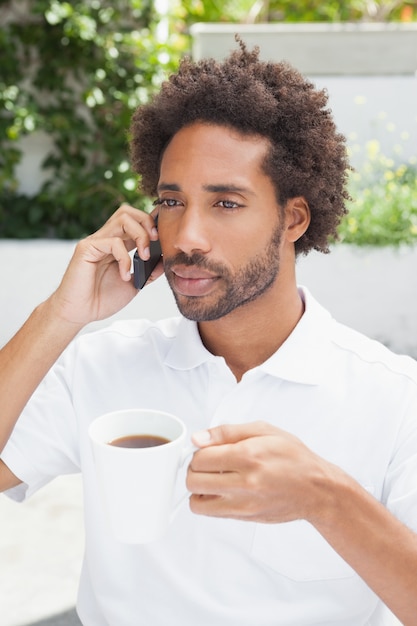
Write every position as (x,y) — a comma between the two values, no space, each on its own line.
(187,350)
(301,358)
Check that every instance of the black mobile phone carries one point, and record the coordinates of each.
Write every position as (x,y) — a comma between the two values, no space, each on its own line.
(143,269)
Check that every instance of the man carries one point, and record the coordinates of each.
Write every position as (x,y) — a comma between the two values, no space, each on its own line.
(304,491)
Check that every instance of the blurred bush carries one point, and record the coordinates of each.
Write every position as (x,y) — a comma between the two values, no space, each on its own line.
(251,11)
(75,71)
(383,211)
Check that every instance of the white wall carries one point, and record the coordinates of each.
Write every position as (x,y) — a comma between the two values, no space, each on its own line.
(368,69)
(382,108)
(31,270)
(373,291)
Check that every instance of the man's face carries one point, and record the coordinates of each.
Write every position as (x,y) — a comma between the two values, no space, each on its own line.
(219,222)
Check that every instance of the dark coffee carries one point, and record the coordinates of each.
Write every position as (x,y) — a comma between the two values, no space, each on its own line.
(139,441)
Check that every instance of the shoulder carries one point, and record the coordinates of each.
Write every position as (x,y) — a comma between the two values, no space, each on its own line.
(125,338)
(137,328)
(358,351)
(364,353)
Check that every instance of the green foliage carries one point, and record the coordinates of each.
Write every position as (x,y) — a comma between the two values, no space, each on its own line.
(250,11)
(75,71)
(384,207)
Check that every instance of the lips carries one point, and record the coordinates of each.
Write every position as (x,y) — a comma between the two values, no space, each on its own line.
(192,281)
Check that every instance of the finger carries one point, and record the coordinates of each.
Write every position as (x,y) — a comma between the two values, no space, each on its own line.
(212,506)
(219,506)
(114,247)
(135,227)
(145,219)
(213,494)
(231,433)
(137,231)
(127,212)
(211,483)
(217,459)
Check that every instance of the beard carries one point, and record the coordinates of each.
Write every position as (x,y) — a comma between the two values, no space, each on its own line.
(239,288)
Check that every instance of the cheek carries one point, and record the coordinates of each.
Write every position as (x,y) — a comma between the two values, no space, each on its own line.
(239,247)
(236,258)
(166,238)
(233,249)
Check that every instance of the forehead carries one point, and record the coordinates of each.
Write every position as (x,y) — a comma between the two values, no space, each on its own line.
(206,148)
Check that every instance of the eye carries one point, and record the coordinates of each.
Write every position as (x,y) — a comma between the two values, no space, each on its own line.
(228,204)
(168,202)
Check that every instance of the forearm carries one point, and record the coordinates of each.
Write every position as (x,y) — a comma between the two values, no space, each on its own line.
(381,549)
(26,359)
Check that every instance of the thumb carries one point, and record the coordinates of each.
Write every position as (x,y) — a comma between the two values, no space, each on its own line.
(230,433)
(202,438)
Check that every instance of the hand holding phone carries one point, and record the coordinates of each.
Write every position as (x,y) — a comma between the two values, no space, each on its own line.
(143,269)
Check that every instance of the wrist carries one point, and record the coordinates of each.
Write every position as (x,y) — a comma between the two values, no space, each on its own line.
(331,488)
(54,321)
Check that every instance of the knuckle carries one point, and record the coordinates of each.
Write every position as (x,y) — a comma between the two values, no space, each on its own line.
(248,450)
(123,208)
(253,454)
(123,216)
(263,427)
(226,432)
(251,482)
(83,243)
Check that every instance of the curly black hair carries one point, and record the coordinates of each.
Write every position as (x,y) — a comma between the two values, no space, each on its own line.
(307,157)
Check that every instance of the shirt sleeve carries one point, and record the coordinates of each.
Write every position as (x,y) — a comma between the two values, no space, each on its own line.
(43,444)
(400,485)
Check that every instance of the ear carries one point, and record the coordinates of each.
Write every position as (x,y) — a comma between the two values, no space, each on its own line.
(297,218)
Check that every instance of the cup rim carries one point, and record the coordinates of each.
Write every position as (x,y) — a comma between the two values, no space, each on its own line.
(95,424)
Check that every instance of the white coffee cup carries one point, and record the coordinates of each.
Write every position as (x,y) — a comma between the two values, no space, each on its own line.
(137,484)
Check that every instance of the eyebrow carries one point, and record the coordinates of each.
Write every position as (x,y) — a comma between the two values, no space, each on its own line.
(168,187)
(224,188)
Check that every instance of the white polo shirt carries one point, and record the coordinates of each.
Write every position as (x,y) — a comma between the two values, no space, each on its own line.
(346,397)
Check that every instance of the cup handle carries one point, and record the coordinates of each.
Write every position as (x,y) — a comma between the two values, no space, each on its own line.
(188,451)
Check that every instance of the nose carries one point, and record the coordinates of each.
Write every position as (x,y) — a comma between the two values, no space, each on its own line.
(192,234)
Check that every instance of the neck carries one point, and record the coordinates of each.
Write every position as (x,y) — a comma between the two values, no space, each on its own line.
(250,334)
